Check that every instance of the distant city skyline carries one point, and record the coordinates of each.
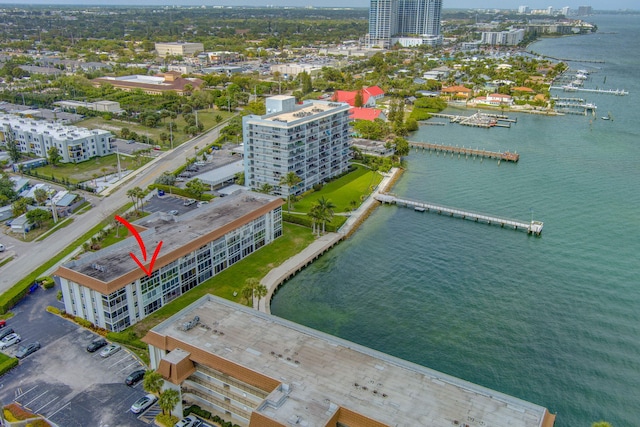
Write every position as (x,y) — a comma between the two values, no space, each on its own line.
(447,4)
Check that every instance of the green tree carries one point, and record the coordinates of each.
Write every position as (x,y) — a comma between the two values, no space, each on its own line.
(248,292)
(7,191)
(167,178)
(196,187)
(38,216)
(325,211)
(358,101)
(54,156)
(305,81)
(290,180)
(168,400)
(260,291)
(601,424)
(12,146)
(20,206)
(265,188)
(40,195)
(152,382)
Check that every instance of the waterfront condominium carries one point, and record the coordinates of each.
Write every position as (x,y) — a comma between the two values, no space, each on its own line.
(108,288)
(408,22)
(312,140)
(258,370)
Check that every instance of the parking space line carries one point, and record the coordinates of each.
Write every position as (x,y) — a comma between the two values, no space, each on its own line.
(127,367)
(60,409)
(21,393)
(36,398)
(118,361)
(47,404)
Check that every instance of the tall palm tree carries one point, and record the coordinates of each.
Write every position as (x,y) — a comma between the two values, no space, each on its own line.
(314,213)
(290,180)
(325,207)
(168,400)
(260,291)
(250,285)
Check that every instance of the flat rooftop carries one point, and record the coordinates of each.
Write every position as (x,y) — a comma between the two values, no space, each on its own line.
(175,232)
(324,372)
(305,110)
(56,130)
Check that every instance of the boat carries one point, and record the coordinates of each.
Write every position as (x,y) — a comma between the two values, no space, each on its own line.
(607,117)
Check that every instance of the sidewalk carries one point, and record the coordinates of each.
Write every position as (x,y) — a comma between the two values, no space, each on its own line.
(296,263)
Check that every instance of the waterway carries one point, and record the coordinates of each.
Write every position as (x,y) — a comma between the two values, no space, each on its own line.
(555,319)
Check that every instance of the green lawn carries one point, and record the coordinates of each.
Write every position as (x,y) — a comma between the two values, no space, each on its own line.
(95,167)
(224,284)
(346,192)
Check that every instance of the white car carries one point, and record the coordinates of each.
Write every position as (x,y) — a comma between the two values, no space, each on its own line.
(1,247)
(9,340)
(188,421)
(109,350)
(143,403)
(202,203)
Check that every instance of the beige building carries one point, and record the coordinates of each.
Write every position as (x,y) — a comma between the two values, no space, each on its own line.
(152,85)
(258,370)
(178,49)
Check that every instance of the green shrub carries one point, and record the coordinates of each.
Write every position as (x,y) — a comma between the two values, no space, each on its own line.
(179,191)
(83,322)
(54,310)
(129,338)
(7,363)
(202,413)
(59,295)
(167,420)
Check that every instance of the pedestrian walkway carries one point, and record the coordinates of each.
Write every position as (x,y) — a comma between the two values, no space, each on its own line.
(322,244)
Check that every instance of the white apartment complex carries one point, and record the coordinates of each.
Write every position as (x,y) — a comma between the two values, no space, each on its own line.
(502,38)
(74,144)
(312,140)
(108,288)
(178,49)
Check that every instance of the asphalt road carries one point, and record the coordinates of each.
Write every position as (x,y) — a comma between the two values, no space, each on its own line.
(37,253)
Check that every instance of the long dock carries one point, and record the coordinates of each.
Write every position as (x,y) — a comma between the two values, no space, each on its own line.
(533,227)
(571,88)
(474,152)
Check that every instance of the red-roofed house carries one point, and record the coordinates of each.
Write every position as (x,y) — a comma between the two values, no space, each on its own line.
(359,113)
(369,96)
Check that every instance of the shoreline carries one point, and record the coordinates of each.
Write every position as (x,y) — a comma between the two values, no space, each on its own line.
(280,274)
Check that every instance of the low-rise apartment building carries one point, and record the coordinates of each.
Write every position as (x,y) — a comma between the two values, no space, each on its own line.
(312,140)
(37,137)
(108,288)
(258,370)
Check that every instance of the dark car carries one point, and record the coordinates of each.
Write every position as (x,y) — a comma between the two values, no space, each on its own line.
(135,377)
(26,350)
(6,331)
(96,345)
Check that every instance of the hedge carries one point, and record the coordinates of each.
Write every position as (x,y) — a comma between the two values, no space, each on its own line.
(7,363)
(179,191)
(305,221)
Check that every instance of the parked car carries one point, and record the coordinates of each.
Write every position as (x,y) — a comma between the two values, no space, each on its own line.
(5,332)
(202,203)
(1,247)
(173,212)
(134,377)
(189,202)
(189,421)
(109,350)
(9,340)
(143,403)
(96,345)
(3,323)
(26,350)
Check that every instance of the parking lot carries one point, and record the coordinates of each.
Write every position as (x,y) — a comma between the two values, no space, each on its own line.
(62,381)
(168,203)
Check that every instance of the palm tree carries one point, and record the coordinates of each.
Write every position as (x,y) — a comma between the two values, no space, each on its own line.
(260,291)
(265,188)
(290,180)
(152,382)
(168,400)
(325,209)
(131,193)
(248,291)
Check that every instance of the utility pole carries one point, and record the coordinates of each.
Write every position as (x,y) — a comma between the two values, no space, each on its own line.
(118,157)
(171,133)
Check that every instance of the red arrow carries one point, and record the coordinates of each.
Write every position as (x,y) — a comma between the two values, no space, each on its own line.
(135,233)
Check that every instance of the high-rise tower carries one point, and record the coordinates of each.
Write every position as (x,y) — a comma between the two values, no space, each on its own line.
(401,18)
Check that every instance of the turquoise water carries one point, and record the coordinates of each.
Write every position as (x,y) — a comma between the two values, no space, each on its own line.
(553,320)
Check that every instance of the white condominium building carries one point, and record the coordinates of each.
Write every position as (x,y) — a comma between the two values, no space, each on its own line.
(392,19)
(178,49)
(311,140)
(108,288)
(74,144)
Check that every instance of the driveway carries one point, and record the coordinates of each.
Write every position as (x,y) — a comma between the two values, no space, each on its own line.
(62,381)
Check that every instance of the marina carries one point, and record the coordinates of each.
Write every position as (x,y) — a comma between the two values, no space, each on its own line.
(532,227)
(473,152)
(481,120)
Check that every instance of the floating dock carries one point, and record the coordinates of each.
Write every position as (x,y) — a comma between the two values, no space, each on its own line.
(479,120)
(533,227)
(571,88)
(473,152)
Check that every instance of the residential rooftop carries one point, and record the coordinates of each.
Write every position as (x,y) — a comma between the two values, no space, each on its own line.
(320,373)
(177,234)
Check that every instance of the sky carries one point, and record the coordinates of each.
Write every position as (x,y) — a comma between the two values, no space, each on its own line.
(447,4)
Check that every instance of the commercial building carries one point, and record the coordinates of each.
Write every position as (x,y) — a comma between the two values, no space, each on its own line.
(311,140)
(102,106)
(152,85)
(259,370)
(389,20)
(36,137)
(178,49)
(109,289)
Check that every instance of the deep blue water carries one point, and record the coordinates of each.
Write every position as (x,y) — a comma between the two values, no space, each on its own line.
(554,320)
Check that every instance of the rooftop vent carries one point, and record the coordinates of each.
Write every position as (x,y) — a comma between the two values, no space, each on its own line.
(191,324)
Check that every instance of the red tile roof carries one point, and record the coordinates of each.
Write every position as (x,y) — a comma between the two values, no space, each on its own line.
(364,113)
(373,90)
